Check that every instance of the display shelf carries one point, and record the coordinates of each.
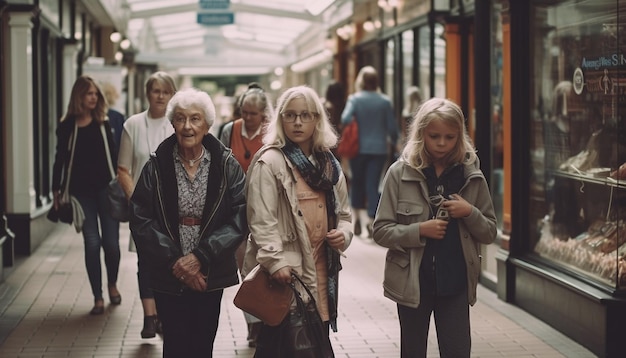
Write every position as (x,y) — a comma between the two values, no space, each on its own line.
(589,178)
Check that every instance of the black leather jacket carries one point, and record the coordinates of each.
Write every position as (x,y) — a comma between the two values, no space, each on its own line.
(154,218)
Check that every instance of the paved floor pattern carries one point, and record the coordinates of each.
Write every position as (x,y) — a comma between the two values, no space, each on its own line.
(45,300)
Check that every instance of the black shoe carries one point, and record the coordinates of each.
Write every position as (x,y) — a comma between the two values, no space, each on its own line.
(116,300)
(97,310)
(149,327)
(159,325)
(357,227)
(370,230)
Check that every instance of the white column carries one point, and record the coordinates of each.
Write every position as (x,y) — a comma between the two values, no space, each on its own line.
(19,116)
(70,68)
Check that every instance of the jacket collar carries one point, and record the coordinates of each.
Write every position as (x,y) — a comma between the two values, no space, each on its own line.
(166,172)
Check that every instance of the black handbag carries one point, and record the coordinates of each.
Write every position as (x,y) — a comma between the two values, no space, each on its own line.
(302,334)
(69,210)
(117,202)
(116,198)
(63,213)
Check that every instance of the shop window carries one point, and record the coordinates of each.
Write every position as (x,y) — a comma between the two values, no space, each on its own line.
(424,60)
(497,134)
(577,205)
(389,76)
(440,61)
(407,59)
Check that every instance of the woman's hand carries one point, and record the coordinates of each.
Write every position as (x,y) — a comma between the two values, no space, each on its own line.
(457,206)
(196,282)
(335,239)
(187,270)
(283,275)
(434,228)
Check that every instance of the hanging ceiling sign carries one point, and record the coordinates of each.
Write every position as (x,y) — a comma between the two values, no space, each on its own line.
(214,4)
(216,18)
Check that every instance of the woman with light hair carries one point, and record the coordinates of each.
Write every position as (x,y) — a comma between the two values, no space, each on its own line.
(187,219)
(142,134)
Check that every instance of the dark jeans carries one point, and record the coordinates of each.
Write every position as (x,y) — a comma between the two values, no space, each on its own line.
(451,321)
(189,322)
(97,218)
(366,172)
(143,278)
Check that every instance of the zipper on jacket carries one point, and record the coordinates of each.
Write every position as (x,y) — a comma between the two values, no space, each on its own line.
(158,188)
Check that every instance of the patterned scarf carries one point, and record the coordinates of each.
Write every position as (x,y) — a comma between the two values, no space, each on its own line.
(324,177)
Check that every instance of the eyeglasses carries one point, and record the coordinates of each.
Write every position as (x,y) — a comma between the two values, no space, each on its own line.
(306,117)
(181,120)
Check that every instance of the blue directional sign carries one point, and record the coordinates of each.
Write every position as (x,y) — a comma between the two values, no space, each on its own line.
(214,4)
(216,18)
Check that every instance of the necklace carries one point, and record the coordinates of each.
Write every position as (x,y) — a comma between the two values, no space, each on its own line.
(193,162)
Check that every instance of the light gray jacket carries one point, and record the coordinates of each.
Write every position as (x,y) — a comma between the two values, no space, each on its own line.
(404,205)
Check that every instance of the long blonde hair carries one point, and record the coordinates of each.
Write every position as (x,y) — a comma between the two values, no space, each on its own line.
(324,136)
(76,106)
(438,109)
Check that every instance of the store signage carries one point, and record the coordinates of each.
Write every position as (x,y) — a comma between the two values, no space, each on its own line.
(214,4)
(216,18)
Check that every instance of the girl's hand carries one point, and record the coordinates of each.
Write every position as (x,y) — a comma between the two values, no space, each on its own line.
(283,275)
(434,228)
(335,239)
(457,206)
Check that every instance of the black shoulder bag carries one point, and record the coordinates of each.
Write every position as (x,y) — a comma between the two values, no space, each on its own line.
(302,334)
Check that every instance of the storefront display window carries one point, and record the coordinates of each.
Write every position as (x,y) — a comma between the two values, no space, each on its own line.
(424,60)
(440,61)
(390,49)
(578,139)
(497,128)
(407,59)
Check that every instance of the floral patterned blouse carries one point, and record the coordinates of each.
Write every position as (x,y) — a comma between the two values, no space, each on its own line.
(191,198)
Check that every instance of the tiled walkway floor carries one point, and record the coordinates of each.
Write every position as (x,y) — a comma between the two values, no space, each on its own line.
(45,300)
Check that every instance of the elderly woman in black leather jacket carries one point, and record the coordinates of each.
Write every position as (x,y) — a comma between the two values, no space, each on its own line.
(187,219)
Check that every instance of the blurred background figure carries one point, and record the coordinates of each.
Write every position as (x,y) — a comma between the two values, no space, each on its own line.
(90,174)
(116,119)
(245,134)
(378,131)
(335,102)
(413,101)
(143,132)
(245,137)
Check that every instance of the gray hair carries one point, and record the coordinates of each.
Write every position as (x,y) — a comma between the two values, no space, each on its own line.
(192,97)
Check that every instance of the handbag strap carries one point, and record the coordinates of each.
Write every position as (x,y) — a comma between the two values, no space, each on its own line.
(71,145)
(106,146)
(306,288)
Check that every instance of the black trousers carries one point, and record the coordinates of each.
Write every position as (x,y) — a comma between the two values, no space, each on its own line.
(451,321)
(189,322)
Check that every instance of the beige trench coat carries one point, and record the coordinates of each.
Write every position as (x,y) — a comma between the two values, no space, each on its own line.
(278,235)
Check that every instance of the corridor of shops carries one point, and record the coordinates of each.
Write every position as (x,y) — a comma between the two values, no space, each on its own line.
(541,85)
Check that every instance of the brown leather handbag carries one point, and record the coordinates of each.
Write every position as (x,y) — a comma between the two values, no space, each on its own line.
(264,298)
